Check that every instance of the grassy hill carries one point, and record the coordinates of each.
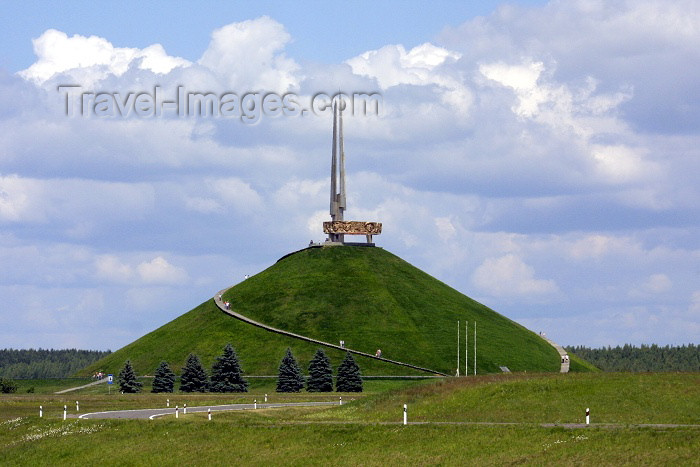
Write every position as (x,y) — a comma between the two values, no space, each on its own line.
(367,297)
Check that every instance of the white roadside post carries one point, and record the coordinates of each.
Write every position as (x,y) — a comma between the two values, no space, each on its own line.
(41,411)
(177,411)
(255,404)
(266,398)
(77,406)
(184,410)
(340,402)
(167,403)
(588,416)
(405,414)
(209,414)
(65,410)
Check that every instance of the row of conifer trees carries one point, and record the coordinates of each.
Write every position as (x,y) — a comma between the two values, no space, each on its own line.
(227,375)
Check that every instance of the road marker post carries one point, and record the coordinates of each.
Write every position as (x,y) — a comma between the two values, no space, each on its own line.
(405,414)
(184,411)
(340,401)
(255,404)
(209,414)
(588,416)
(65,410)
(41,411)
(77,406)
(167,403)
(177,412)
(265,397)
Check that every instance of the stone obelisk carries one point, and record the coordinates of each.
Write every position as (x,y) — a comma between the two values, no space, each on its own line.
(338,227)
(338,199)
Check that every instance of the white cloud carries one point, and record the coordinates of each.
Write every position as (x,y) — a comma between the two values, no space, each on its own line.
(90,59)
(238,194)
(446,230)
(160,271)
(392,66)
(658,283)
(111,268)
(508,275)
(248,56)
(15,203)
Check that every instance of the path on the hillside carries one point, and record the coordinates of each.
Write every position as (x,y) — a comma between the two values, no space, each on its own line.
(219,302)
(99,381)
(562,354)
(154,413)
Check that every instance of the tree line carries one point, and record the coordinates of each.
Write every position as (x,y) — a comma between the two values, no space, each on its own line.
(227,375)
(643,358)
(45,363)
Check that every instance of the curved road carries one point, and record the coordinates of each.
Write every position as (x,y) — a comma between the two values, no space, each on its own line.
(219,302)
(154,413)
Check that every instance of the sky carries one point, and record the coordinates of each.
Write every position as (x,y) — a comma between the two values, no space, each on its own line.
(540,157)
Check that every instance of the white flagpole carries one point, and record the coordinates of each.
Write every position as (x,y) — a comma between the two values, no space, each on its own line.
(474,348)
(457,348)
(466,348)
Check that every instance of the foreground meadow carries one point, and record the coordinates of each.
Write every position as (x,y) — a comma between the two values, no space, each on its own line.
(454,421)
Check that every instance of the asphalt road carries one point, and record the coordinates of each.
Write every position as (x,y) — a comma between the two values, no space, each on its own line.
(153,413)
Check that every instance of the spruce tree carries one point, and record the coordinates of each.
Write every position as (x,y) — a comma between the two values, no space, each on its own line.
(320,373)
(194,377)
(7,386)
(349,377)
(290,378)
(164,379)
(226,374)
(127,379)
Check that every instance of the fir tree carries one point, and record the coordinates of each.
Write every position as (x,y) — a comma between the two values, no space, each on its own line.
(320,373)
(349,377)
(164,379)
(290,378)
(127,379)
(194,377)
(226,374)
(7,386)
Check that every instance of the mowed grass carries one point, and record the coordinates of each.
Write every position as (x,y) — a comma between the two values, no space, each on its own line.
(367,297)
(537,398)
(368,431)
(223,442)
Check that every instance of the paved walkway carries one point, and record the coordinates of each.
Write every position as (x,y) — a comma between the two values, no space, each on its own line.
(562,354)
(99,381)
(219,302)
(155,413)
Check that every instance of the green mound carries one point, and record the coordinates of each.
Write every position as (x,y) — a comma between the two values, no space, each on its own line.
(367,297)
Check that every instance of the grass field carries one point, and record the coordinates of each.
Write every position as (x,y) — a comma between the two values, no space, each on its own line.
(367,297)
(368,430)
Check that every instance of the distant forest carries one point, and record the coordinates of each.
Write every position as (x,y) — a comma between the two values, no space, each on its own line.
(45,363)
(644,358)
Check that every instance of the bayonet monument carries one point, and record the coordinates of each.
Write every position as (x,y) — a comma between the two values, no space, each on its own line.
(337,228)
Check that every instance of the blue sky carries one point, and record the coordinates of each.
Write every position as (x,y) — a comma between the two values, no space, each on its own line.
(541,157)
